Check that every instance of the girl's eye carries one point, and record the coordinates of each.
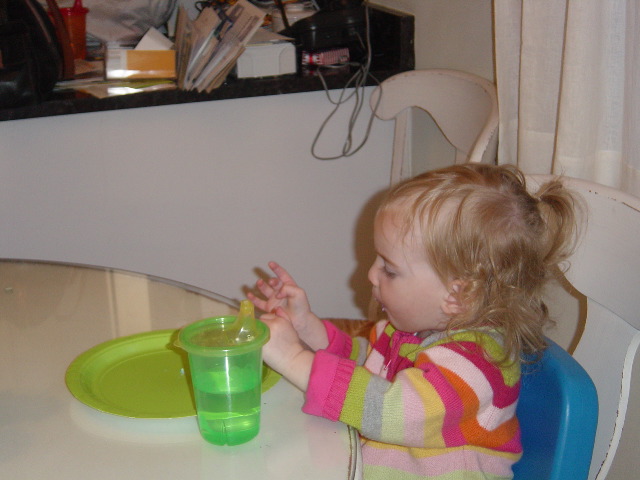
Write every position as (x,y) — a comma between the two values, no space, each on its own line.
(387,272)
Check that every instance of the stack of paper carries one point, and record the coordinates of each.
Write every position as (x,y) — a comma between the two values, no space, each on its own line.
(207,48)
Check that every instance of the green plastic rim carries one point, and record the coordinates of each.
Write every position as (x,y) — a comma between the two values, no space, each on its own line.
(207,338)
(139,376)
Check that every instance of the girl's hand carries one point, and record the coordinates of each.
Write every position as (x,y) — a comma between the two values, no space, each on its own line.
(282,292)
(285,353)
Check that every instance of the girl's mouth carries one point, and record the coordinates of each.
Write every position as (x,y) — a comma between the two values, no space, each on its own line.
(382,307)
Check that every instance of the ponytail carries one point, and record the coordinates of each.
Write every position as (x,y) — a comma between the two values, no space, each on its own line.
(559,210)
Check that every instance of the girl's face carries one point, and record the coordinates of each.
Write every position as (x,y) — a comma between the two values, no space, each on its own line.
(404,283)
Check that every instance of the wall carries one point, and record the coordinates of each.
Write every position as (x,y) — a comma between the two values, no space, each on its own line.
(454,34)
(201,193)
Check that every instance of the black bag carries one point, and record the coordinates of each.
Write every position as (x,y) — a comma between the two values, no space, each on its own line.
(17,85)
(31,56)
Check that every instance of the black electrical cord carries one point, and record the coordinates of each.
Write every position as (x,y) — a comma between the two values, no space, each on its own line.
(283,12)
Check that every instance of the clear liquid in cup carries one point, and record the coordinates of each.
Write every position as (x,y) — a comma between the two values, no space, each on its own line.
(229,418)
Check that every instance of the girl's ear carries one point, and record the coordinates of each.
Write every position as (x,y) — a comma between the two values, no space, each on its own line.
(451,304)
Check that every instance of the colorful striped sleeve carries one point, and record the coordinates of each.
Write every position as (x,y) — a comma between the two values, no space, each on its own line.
(328,383)
(341,344)
(452,395)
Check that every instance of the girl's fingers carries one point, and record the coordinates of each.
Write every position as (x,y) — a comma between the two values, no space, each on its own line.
(257,301)
(264,288)
(281,313)
(281,273)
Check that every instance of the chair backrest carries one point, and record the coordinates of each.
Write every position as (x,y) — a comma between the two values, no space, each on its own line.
(558,412)
(606,270)
(463,105)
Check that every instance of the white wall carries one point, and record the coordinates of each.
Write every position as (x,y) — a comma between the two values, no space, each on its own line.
(451,33)
(201,193)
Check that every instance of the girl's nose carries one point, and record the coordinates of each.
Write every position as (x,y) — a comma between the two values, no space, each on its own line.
(371,274)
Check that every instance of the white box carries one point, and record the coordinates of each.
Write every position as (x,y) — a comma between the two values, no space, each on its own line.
(267,59)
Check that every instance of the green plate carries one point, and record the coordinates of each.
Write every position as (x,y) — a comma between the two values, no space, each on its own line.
(140,376)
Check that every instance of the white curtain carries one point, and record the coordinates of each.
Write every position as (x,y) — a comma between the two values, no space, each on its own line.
(568,76)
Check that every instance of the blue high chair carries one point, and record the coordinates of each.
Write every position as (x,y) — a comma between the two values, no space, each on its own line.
(558,414)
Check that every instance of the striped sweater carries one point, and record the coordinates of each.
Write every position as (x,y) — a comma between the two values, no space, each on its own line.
(425,408)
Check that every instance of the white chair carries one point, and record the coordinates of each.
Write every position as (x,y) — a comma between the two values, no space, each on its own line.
(606,270)
(463,105)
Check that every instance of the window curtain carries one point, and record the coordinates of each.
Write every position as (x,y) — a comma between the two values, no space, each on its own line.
(568,78)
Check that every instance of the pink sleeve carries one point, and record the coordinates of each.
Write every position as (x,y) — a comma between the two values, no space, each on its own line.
(328,384)
(340,343)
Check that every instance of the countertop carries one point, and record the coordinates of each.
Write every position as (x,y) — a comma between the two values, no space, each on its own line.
(392,39)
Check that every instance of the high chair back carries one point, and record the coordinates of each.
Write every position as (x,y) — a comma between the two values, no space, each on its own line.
(605,269)
(558,412)
(463,105)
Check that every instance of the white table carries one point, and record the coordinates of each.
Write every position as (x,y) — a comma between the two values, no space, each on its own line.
(52,312)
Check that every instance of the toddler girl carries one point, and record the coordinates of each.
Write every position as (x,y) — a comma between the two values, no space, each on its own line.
(463,254)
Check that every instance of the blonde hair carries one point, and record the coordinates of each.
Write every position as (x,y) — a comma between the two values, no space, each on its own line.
(480,226)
